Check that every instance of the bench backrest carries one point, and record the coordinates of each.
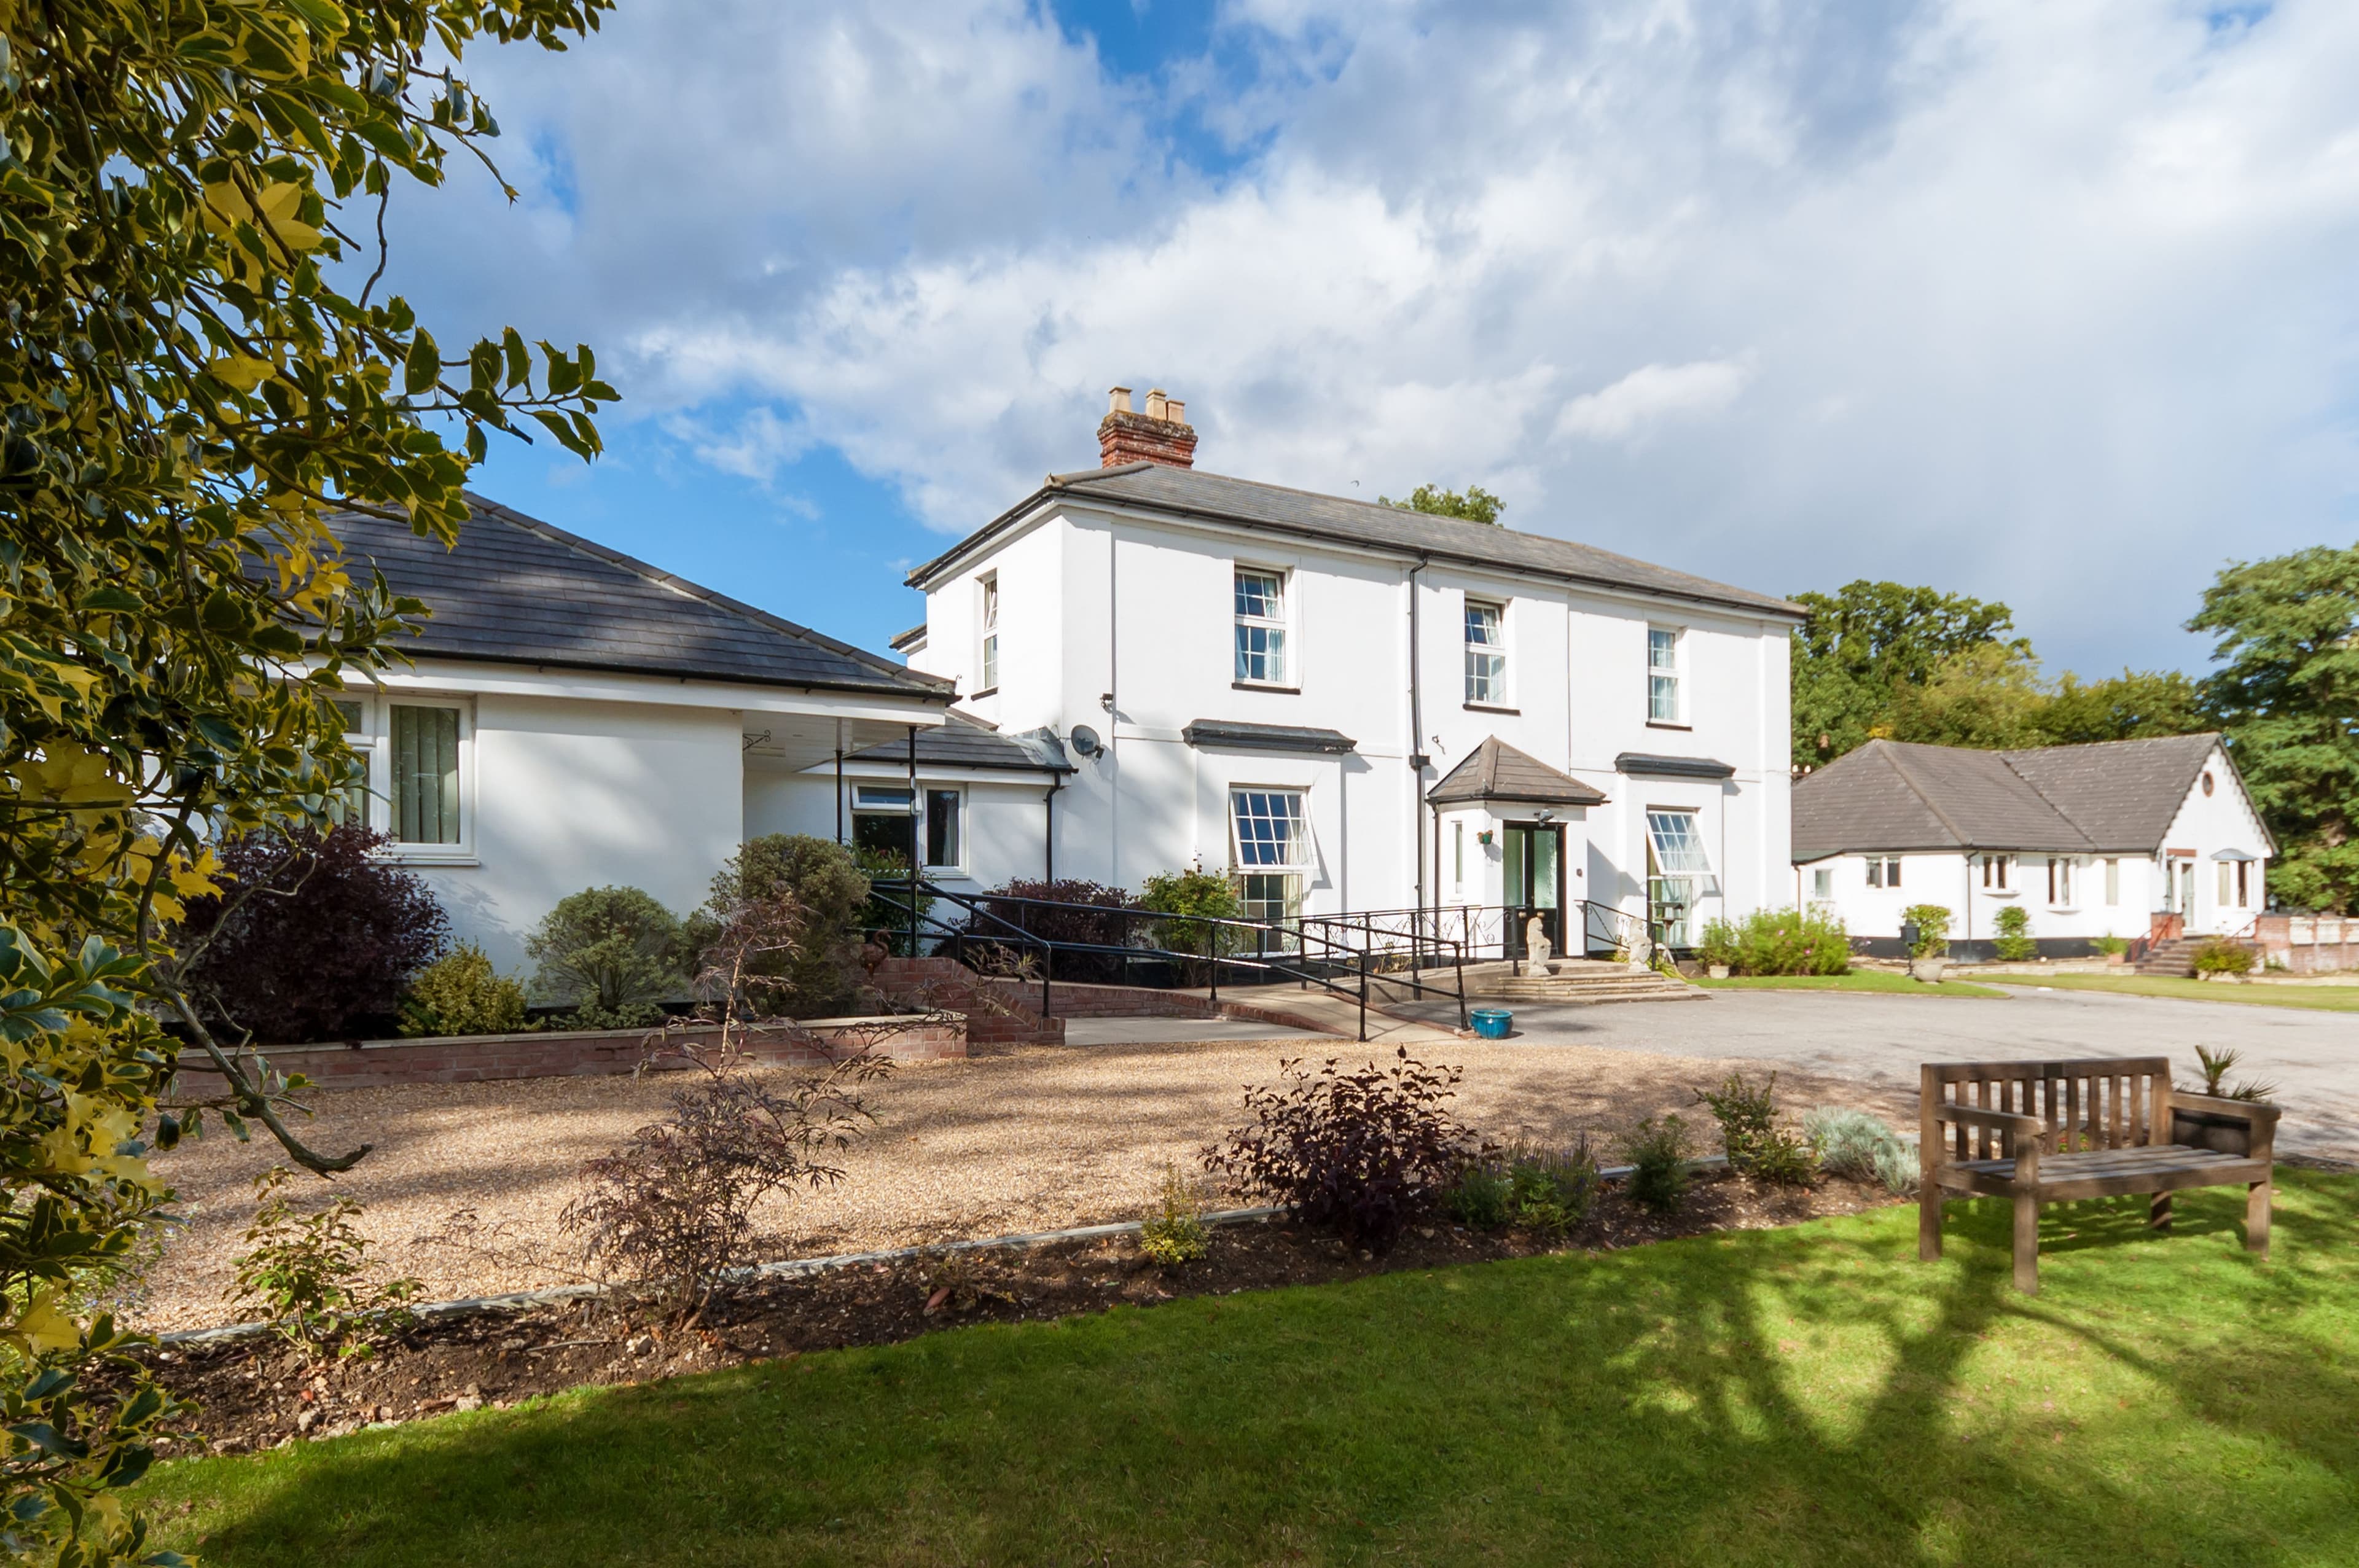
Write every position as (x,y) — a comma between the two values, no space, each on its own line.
(2104,1102)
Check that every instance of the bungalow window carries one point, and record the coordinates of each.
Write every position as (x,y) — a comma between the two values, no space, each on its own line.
(1997,870)
(1458,855)
(2113,882)
(1486,656)
(1823,884)
(2059,881)
(424,744)
(944,808)
(351,804)
(1272,850)
(990,587)
(2244,884)
(1883,872)
(883,822)
(1261,627)
(1666,701)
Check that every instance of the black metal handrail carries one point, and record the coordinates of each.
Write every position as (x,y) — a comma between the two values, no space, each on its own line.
(1478,928)
(1273,941)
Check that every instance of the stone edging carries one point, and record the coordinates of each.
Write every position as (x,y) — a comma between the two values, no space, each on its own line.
(796,1268)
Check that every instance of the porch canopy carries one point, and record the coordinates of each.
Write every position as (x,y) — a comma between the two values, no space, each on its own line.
(1496,771)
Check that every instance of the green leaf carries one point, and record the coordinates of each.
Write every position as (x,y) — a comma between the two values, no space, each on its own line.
(423,368)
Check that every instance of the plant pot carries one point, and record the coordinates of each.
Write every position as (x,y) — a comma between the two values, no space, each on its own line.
(1717,971)
(1929,970)
(2117,957)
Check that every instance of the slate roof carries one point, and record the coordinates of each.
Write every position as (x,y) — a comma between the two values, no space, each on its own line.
(1303,514)
(1237,735)
(966,741)
(1496,771)
(517,590)
(2115,796)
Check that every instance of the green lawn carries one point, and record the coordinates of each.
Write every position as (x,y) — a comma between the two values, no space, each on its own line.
(1882,982)
(2323,998)
(1804,1396)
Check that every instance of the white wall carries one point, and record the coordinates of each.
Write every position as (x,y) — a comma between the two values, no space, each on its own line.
(1094,602)
(569,793)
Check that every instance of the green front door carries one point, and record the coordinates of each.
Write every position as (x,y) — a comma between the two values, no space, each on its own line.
(1533,853)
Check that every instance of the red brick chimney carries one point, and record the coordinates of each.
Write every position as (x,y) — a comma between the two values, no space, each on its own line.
(1161,435)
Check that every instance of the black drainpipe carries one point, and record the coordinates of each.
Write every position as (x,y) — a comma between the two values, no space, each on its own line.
(917,833)
(1048,831)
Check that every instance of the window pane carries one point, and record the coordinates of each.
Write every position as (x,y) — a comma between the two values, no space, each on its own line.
(893,834)
(1874,874)
(425,774)
(351,714)
(941,828)
(991,662)
(1261,652)
(1483,624)
(1662,649)
(879,798)
(1679,848)
(1269,827)
(1260,596)
(1822,883)
(1663,698)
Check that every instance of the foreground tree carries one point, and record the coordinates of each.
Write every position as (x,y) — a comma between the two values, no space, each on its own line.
(187,387)
(2287,692)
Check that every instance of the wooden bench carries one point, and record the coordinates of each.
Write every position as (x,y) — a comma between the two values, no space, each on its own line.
(2056,1132)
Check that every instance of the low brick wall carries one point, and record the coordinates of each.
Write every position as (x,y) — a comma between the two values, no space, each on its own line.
(2309,944)
(1004,1020)
(476,1058)
(1077,1001)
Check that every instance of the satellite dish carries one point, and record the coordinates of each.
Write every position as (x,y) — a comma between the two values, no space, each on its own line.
(1085,740)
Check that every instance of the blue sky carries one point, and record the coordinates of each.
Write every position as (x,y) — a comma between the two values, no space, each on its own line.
(2045,302)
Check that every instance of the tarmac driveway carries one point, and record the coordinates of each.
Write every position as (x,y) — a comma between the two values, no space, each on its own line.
(2311,1057)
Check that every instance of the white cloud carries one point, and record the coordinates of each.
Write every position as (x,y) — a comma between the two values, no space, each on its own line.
(759,446)
(1651,394)
(2029,295)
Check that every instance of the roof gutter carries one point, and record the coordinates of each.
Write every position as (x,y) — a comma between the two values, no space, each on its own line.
(945,693)
(920,578)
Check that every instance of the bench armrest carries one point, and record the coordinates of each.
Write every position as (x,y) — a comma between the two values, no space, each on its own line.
(2012,1122)
(2254,1111)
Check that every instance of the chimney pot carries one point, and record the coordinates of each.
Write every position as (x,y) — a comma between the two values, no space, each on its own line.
(1160,435)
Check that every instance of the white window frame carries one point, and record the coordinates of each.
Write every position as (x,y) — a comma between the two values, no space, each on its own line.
(1293,874)
(2001,866)
(1823,884)
(963,826)
(372,742)
(2113,882)
(987,619)
(2059,882)
(1489,687)
(1675,673)
(1278,652)
(1458,856)
(1884,870)
(361,736)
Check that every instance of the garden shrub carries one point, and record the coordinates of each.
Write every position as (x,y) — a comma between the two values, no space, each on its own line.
(1781,942)
(673,1209)
(1549,1190)
(2216,1065)
(461,993)
(2013,942)
(1483,1194)
(1756,1146)
(2219,957)
(1087,913)
(1932,929)
(1175,1234)
(817,964)
(1657,1151)
(888,918)
(307,1272)
(1198,897)
(612,954)
(1854,1144)
(313,938)
(1716,943)
(2111,947)
(1356,1151)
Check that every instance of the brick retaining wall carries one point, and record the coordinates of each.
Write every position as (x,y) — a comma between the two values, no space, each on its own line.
(462,1059)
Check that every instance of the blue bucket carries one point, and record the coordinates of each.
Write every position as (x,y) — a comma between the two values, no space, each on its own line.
(1490,1023)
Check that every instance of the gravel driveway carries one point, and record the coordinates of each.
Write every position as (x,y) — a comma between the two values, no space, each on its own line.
(2311,1057)
(1036,1139)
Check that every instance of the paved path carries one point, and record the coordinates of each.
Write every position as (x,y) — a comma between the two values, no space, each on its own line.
(2311,1057)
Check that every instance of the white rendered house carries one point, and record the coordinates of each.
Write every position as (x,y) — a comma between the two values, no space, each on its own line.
(1349,707)
(2130,838)
(574,718)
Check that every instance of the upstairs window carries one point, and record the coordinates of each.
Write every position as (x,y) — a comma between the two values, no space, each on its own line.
(1261,627)
(1666,699)
(990,618)
(1884,870)
(1486,652)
